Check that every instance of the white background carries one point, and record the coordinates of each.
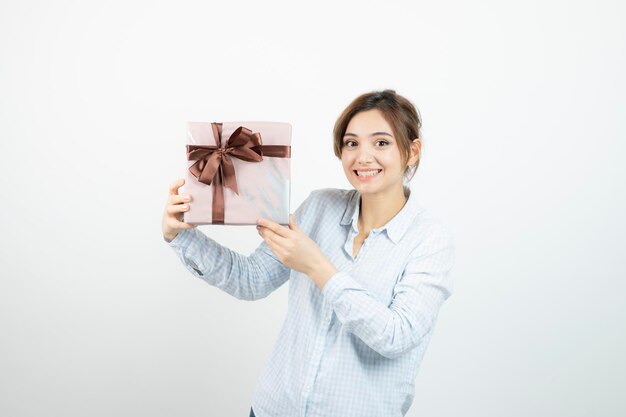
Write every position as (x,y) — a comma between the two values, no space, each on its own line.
(523,109)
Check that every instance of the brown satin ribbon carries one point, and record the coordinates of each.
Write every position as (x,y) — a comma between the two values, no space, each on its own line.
(214,164)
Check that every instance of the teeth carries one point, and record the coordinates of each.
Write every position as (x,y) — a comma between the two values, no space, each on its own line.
(367,173)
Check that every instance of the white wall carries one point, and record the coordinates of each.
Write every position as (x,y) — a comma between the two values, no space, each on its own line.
(523,109)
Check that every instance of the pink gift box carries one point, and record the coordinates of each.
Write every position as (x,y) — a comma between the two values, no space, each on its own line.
(238,172)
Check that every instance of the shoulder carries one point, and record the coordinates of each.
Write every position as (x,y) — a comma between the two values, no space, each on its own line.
(431,246)
(327,198)
(331,195)
(324,203)
(434,223)
(430,230)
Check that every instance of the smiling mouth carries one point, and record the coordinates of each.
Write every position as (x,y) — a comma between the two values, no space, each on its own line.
(370,173)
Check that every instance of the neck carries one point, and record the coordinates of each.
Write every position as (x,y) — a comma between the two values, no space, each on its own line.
(377,210)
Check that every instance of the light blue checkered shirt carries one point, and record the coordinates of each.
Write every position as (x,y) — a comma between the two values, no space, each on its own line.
(354,347)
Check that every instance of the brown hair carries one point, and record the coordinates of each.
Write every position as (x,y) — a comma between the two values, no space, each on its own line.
(399,112)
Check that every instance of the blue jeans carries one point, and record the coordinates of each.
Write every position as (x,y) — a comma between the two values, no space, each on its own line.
(252,413)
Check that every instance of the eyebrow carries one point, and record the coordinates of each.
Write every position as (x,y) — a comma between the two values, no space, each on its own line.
(373,134)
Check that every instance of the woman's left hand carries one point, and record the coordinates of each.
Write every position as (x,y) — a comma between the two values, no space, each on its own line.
(296,250)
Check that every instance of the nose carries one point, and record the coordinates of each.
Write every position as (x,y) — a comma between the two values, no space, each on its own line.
(365,155)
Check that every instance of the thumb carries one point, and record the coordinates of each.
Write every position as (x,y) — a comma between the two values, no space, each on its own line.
(292,222)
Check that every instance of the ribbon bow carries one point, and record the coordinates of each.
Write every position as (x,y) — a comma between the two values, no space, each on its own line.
(214,165)
(214,160)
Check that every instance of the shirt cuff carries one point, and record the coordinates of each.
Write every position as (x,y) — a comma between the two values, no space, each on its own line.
(181,239)
(336,284)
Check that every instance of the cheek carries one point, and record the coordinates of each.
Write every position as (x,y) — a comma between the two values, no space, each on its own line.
(345,162)
(394,161)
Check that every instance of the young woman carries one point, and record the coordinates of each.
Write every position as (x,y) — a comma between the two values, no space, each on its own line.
(368,271)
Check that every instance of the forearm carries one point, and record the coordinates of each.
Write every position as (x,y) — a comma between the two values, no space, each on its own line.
(391,330)
(244,277)
(322,272)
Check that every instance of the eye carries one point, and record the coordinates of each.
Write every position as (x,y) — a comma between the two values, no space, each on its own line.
(384,141)
(348,142)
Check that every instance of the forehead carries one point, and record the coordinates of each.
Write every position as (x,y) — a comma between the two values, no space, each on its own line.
(367,122)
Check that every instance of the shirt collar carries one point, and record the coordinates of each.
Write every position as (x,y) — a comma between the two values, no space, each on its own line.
(394,228)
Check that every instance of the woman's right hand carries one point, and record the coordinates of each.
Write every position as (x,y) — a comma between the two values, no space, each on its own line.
(176,205)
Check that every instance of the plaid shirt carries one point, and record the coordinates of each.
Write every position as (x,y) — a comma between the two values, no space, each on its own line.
(354,347)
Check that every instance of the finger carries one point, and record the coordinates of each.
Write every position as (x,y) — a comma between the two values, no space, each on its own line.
(176,185)
(177,208)
(276,249)
(174,223)
(292,222)
(275,238)
(275,227)
(180,198)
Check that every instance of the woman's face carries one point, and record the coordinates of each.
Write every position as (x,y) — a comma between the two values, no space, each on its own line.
(369,146)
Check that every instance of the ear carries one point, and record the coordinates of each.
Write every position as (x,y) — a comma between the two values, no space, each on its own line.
(416,151)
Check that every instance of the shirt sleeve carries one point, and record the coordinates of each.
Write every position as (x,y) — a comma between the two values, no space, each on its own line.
(244,277)
(417,297)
